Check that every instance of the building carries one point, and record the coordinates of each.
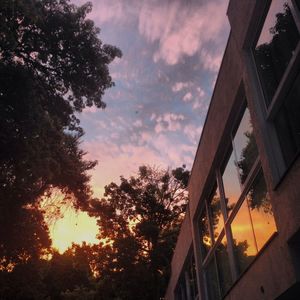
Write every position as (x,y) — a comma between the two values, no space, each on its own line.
(240,238)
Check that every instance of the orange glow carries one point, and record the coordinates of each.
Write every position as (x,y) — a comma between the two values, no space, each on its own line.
(74,227)
(263,227)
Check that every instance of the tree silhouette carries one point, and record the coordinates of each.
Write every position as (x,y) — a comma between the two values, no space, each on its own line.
(52,65)
(248,156)
(140,217)
(64,276)
(272,57)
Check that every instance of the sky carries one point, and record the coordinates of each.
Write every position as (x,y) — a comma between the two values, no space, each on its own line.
(172,52)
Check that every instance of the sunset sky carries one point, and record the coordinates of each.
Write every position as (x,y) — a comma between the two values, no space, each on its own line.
(171,56)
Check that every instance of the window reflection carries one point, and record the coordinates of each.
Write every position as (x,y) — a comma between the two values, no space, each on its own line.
(276,44)
(261,211)
(223,266)
(187,285)
(245,146)
(251,222)
(204,233)
(215,214)
(243,237)
(231,183)
(288,125)
(211,277)
(192,277)
(180,293)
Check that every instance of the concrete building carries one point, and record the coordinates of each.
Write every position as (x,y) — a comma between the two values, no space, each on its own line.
(241,235)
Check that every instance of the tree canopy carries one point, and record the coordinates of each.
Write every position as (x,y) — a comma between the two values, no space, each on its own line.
(141,218)
(52,65)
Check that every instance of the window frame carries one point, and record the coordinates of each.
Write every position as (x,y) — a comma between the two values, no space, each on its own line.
(226,231)
(183,287)
(278,165)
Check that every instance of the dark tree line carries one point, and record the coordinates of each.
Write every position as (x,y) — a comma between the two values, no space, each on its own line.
(52,65)
(139,220)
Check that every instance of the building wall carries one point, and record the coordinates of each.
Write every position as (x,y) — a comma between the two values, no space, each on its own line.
(274,273)
(184,243)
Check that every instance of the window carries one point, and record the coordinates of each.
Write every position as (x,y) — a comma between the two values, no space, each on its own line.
(277,58)
(187,285)
(237,219)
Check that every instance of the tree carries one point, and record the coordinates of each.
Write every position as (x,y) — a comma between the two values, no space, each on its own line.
(26,238)
(273,56)
(140,217)
(64,276)
(52,65)
(70,271)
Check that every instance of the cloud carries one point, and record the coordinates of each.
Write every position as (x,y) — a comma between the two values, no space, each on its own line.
(211,61)
(155,112)
(115,161)
(178,155)
(178,86)
(153,116)
(90,110)
(201,102)
(168,122)
(116,11)
(193,133)
(124,159)
(200,91)
(187,97)
(183,29)
(138,123)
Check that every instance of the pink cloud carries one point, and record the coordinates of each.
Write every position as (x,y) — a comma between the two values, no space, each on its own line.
(200,91)
(176,155)
(178,86)
(211,60)
(182,29)
(115,161)
(168,122)
(111,11)
(138,123)
(125,159)
(187,97)
(193,133)
(90,110)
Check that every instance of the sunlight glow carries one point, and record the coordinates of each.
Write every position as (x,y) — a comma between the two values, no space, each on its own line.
(74,227)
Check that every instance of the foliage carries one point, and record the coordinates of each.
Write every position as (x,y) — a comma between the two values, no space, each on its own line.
(64,276)
(248,156)
(133,262)
(141,217)
(54,39)
(25,282)
(52,65)
(26,236)
(68,271)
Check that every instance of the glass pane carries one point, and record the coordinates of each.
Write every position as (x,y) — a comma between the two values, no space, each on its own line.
(287,123)
(192,277)
(204,234)
(231,184)
(276,44)
(212,281)
(244,244)
(245,146)
(215,214)
(223,266)
(261,211)
(181,290)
